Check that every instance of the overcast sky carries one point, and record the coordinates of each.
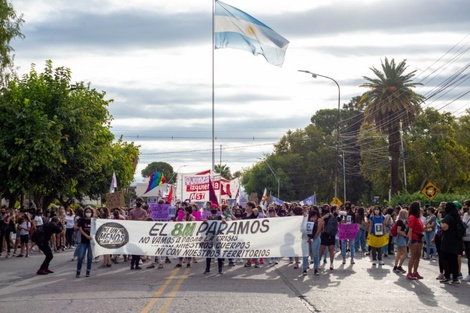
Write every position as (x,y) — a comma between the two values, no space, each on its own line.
(153,57)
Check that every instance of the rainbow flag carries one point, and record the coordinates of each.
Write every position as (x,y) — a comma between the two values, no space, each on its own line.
(155,180)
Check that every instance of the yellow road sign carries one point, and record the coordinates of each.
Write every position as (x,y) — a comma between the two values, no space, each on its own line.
(336,201)
(430,191)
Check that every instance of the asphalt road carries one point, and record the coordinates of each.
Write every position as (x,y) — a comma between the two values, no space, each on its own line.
(271,288)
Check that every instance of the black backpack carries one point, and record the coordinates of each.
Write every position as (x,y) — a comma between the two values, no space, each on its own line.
(331,227)
(38,236)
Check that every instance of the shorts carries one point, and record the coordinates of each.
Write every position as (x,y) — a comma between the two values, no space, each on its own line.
(24,239)
(327,239)
(416,241)
(400,241)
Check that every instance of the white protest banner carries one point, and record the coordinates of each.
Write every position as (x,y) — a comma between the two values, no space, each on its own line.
(254,238)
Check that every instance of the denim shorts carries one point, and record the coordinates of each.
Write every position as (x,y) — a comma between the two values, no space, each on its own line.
(400,241)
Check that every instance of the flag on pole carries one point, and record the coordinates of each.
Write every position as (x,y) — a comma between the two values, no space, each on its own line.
(236,29)
(156,179)
(212,195)
(169,198)
(264,197)
(308,201)
(113,183)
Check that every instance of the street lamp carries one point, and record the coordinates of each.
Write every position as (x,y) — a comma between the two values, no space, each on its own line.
(315,75)
(277,178)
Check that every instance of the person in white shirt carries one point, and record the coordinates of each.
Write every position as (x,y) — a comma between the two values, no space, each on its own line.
(23,227)
(69,228)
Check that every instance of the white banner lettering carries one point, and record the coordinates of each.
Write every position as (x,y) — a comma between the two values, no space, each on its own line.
(254,238)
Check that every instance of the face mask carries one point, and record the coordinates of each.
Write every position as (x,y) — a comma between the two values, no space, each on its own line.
(88,214)
(238,215)
(214,211)
(376,212)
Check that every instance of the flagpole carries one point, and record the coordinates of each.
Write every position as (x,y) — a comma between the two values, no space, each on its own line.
(213,95)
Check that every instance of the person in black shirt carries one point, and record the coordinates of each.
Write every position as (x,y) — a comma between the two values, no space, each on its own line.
(50,228)
(84,227)
(220,261)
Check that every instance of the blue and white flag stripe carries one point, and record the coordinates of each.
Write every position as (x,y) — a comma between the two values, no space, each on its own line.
(238,30)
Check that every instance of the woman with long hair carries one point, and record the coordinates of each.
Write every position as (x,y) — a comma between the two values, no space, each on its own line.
(451,244)
(361,234)
(415,240)
(400,241)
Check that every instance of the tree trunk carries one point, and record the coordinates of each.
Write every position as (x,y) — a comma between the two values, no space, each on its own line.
(394,156)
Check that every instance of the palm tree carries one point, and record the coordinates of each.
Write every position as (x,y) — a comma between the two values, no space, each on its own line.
(390,102)
(223,170)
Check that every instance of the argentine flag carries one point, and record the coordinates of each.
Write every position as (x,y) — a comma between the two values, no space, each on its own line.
(236,29)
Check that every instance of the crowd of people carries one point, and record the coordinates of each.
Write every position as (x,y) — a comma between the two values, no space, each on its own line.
(409,232)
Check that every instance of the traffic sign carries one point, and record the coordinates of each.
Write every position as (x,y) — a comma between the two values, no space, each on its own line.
(336,201)
(430,191)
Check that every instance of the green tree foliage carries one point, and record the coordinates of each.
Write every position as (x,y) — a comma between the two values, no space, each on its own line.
(391,102)
(435,151)
(163,167)
(223,170)
(10,24)
(55,138)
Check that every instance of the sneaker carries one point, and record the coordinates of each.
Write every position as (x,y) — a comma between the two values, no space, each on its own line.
(446,281)
(188,265)
(466,279)
(41,272)
(77,276)
(167,260)
(151,266)
(138,267)
(207,271)
(247,264)
(455,282)
(316,272)
(231,263)
(352,261)
(74,258)
(261,261)
(440,277)
(87,274)
(374,262)
(344,261)
(417,275)
(324,261)
(460,276)
(401,270)
(381,262)
(27,255)
(257,265)
(395,269)
(114,260)
(411,277)
(304,273)
(19,256)
(220,271)
(331,267)
(178,265)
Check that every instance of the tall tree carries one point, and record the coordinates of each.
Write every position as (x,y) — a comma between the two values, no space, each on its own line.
(163,167)
(10,24)
(223,170)
(391,102)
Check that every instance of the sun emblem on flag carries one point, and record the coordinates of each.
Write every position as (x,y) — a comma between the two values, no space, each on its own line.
(250,31)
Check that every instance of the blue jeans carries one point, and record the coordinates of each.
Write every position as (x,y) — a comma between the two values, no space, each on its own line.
(315,247)
(352,244)
(429,236)
(360,240)
(84,248)
(77,247)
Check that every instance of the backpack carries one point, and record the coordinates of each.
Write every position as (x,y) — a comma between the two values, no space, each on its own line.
(331,227)
(461,229)
(38,236)
(393,230)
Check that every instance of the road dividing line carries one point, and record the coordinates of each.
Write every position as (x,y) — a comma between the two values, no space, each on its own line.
(159,292)
(173,292)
